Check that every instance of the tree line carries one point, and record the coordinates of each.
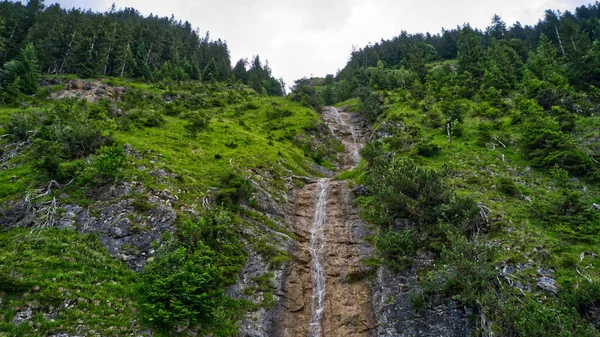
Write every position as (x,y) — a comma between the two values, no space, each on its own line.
(120,42)
(575,36)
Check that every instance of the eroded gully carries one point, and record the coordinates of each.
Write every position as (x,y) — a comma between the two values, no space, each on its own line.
(324,295)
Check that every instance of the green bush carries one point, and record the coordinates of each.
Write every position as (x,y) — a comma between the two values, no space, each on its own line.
(106,167)
(146,118)
(428,149)
(197,122)
(546,146)
(403,190)
(48,158)
(395,248)
(23,125)
(185,284)
(234,190)
(507,186)
(173,109)
(484,133)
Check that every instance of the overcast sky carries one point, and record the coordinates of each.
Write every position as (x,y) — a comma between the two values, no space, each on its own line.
(312,37)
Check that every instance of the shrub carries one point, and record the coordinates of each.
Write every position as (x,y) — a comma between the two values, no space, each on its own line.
(395,248)
(197,122)
(48,156)
(507,186)
(23,125)
(234,190)
(428,149)
(173,109)
(105,167)
(484,133)
(110,161)
(545,145)
(184,285)
(404,190)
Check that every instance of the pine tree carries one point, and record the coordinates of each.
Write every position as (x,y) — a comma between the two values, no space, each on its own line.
(209,74)
(30,73)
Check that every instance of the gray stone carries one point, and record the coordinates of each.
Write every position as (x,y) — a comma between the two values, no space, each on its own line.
(396,317)
(23,316)
(548,284)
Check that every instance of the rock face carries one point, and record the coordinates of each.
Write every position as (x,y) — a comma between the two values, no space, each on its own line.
(396,316)
(127,232)
(339,250)
(91,91)
(352,306)
(347,301)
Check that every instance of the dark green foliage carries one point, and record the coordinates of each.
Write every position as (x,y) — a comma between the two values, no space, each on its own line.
(235,190)
(23,125)
(68,131)
(197,122)
(49,156)
(567,212)
(545,145)
(209,73)
(531,318)
(466,271)
(13,285)
(470,53)
(304,92)
(484,133)
(173,109)
(20,76)
(507,186)
(185,284)
(106,167)
(428,149)
(585,298)
(370,104)
(403,190)
(395,248)
(145,118)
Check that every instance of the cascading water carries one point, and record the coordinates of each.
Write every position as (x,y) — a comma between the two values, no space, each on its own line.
(317,245)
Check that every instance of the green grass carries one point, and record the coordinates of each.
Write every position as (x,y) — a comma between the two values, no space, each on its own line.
(250,135)
(352,104)
(236,139)
(68,275)
(475,171)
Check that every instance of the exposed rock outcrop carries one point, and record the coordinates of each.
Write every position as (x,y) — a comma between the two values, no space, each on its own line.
(346,304)
(393,305)
(91,91)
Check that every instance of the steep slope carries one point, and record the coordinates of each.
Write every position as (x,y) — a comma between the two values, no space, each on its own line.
(201,169)
(325,293)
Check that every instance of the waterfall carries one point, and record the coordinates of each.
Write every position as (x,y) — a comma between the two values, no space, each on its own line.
(317,254)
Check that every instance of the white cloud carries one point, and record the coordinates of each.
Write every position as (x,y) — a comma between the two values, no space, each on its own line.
(300,38)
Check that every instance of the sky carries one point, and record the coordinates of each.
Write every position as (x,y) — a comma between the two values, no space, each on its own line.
(314,37)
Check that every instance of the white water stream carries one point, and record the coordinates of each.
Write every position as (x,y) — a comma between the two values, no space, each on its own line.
(317,235)
(317,254)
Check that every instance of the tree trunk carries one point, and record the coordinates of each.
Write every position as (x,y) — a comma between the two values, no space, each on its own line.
(125,59)
(109,50)
(148,55)
(64,62)
(559,41)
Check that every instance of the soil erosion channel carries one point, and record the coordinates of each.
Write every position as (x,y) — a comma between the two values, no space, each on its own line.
(324,295)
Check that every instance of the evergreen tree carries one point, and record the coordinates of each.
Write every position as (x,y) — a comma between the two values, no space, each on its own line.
(239,71)
(470,53)
(209,74)
(497,29)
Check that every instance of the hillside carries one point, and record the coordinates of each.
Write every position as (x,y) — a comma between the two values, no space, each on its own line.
(438,185)
(481,174)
